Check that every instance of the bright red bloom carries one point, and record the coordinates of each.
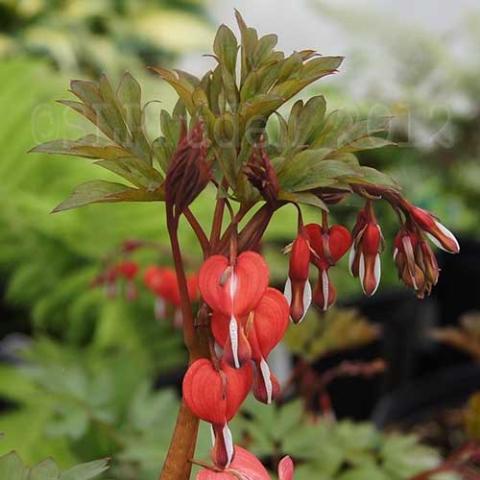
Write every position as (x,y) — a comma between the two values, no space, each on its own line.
(215,396)
(440,235)
(297,288)
(258,334)
(233,289)
(246,466)
(367,245)
(328,246)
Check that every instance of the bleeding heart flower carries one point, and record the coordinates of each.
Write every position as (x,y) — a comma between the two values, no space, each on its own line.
(258,334)
(298,291)
(367,245)
(328,246)
(440,235)
(246,466)
(233,289)
(215,397)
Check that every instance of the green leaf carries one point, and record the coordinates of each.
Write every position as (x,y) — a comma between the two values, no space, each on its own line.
(46,470)
(12,468)
(89,146)
(101,191)
(306,198)
(135,171)
(310,169)
(86,471)
(226,48)
(182,86)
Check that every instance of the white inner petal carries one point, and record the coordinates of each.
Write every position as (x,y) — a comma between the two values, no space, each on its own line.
(265,369)
(325,289)
(287,291)
(351,259)
(228,440)
(448,234)
(361,271)
(378,272)
(395,253)
(233,332)
(212,435)
(307,298)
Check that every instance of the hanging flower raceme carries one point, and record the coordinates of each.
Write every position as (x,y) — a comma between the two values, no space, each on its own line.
(298,291)
(368,243)
(162,281)
(215,395)
(246,466)
(327,246)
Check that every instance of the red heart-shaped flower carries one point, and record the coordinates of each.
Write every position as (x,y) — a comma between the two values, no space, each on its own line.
(233,290)
(337,238)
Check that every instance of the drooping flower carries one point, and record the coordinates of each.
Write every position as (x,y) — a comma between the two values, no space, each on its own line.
(234,290)
(364,259)
(215,397)
(416,263)
(162,281)
(298,291)
(258,334)
(328,246)
(440,235)
(246,466)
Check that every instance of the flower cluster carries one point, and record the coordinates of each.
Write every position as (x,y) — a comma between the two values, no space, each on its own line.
(248,319)
(323,246)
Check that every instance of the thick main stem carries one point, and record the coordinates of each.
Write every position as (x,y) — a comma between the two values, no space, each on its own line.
(177,465)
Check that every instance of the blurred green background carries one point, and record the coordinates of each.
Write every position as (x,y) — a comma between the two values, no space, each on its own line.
(80,373)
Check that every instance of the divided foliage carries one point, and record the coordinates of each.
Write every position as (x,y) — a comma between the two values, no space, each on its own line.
(238,104)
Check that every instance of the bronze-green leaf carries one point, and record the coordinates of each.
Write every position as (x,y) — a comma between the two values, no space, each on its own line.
(101,191)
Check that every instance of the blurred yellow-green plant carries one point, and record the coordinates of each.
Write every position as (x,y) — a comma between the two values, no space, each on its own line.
(102,35)
(336,330)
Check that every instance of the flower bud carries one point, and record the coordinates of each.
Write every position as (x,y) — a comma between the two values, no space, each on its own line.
(298,291)
(364,258)
(436,232)
(266,387)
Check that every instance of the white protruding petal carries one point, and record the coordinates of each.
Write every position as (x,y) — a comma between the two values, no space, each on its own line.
(361,271)
(307,298)
(351,258)
(160,308)
(395,253)
(265,369)
(448,234)
(233,332)
(228,440)
(287,291)
(325,289)
(212,435)
(378,272)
